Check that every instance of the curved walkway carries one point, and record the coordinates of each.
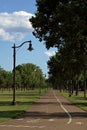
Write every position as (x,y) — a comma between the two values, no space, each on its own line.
(51,112)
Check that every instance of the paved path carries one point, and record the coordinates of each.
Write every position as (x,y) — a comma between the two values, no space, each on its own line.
(51,112)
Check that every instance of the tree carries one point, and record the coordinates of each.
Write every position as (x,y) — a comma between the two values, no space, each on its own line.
(29,76)
(59,19)
(62,23)
(5,79)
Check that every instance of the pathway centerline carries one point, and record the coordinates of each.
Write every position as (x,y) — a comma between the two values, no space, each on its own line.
(65,110)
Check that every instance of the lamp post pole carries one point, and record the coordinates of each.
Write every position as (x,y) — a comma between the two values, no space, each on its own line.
(14,66)
(14,76)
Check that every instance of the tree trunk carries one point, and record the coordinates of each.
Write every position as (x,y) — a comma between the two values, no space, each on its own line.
(84,84)
(84,89)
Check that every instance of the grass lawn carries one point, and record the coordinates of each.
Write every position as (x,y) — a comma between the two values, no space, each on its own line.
(24,100)
(79,100)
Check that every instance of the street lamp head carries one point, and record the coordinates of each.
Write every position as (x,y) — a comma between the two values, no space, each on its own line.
(30,47)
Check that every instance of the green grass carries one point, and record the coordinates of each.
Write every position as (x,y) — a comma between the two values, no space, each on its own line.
(24,100)
(79,100)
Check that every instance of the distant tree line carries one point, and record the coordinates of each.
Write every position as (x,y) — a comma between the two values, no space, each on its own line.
(5,79)
(63,24)
(28,76)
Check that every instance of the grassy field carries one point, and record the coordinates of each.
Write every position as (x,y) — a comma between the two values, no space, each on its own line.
(79,100)
(24,100)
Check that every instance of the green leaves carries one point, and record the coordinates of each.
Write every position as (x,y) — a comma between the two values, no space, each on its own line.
(63,24)
(28,76)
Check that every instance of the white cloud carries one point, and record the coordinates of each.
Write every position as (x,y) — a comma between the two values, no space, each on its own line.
(50,53)
(14,26)
(5,36)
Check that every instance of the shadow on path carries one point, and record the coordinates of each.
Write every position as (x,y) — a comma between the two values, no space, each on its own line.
(58,115)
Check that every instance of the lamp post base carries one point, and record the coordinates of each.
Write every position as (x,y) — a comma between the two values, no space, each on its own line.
(13,103)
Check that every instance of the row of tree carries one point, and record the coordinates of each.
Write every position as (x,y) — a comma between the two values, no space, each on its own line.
(63,24)
(28,76)
(5,79)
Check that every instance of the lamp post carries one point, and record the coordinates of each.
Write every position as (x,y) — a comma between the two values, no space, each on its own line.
(14,65)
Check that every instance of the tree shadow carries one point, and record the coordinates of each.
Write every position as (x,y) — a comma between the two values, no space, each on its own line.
(57,115)
(5,103)
(79,114)
(9,103)
(11,114)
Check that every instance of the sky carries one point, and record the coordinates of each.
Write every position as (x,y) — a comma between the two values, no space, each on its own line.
(16,28)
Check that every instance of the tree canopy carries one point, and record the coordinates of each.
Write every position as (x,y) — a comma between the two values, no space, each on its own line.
(60,19)
(28,76)
(62,24)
